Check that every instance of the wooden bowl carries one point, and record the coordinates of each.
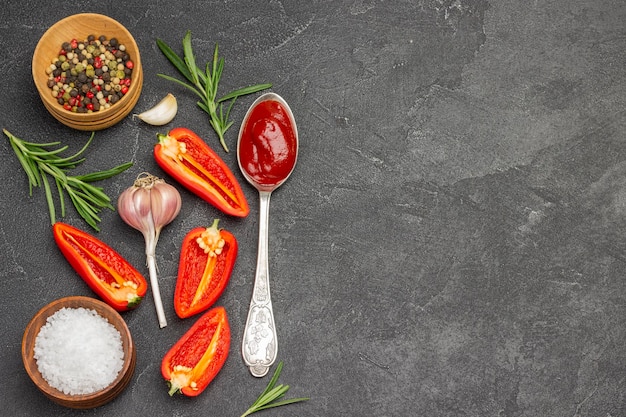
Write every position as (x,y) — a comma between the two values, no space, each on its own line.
(79,26)
(79,401)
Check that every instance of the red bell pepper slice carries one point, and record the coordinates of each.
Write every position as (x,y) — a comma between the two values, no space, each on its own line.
(190,161)
(198,356)
(104,270)
(207,258)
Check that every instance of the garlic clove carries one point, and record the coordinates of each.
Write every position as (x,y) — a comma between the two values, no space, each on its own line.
(134,207)
(166,203)
(162,113)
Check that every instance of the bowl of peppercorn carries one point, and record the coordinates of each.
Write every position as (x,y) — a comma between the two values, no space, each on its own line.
(87,70)
(79,352)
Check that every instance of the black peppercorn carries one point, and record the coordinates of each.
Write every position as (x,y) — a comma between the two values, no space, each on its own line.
(84,82)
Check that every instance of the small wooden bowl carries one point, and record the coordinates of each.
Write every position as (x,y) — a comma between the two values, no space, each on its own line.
(82,401)
(79,26)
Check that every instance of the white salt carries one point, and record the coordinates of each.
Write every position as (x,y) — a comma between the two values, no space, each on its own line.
(78,351)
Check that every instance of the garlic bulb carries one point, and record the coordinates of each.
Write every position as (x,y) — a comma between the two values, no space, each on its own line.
(148,205)
(162,113)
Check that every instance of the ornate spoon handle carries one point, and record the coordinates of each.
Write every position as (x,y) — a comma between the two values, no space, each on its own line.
(260,345)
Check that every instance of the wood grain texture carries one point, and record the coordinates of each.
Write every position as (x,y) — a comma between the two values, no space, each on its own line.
(79,401)
(79,26)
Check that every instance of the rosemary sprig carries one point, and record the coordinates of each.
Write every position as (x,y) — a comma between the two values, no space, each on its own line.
(204,83)
(271,396)
(42,164)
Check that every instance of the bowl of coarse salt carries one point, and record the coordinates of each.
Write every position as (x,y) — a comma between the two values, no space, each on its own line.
(79,352)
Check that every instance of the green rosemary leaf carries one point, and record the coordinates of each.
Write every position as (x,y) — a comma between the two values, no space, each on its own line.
(44,153)
(217,126)
(272,383)
(82,150)
(91,194)
(103,175)
(209,86)
(174,59)
(228,125)
(193,70)
(271,394)
(64,165)
(202,75)
(78,198)
(230,106)
(48,193)
(55,171)
(281,403)
(203,106)
(218,67)
(245,91)
(29,167)
(184,84)
(276,393)
(43,145)
(40,165)
(189,58)
(88,213)
(88,202)
(61,197)
(205,83)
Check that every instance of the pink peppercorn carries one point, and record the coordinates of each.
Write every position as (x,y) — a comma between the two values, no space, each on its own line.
(86,79)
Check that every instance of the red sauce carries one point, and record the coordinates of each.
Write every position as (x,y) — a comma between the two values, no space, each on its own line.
(268,146)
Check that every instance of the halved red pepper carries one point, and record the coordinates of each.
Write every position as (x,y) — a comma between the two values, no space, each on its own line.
(198,356)
(207,258)
(106,272)
(190,161)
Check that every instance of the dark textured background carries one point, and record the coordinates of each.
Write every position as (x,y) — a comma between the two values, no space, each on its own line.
(450,243)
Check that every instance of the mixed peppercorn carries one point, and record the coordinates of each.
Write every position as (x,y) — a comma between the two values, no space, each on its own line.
(90,75)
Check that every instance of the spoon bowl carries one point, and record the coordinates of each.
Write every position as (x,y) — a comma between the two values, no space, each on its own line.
(269,131)
(267,150)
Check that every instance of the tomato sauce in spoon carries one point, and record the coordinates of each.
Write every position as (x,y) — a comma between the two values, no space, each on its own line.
(268,147)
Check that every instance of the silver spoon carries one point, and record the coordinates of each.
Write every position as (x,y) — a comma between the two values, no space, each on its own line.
(260,344)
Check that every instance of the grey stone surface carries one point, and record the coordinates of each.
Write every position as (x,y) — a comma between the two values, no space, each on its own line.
(450,244)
